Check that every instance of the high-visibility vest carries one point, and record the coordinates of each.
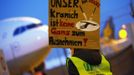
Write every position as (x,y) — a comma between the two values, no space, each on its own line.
(87,69)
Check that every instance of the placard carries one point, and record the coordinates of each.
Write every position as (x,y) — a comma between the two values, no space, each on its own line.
(74,23)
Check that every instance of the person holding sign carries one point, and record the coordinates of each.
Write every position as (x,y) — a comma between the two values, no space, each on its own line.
(87,62)
(76,24)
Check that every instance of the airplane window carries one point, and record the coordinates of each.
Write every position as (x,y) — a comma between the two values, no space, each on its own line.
(22,29)
(19,30)
(32,26)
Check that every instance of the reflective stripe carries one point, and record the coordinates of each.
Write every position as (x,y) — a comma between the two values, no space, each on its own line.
(87,69)
(67,61)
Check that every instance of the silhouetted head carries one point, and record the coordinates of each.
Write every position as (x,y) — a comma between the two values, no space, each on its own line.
(91,56)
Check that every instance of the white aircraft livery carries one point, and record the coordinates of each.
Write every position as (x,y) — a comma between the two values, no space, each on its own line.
(24,41)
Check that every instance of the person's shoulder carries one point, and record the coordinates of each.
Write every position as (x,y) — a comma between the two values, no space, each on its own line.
(72,70)
(69,63)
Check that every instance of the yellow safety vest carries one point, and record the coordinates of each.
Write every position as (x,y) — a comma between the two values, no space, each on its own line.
(87,69)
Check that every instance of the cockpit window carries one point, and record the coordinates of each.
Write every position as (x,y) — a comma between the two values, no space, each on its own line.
(19,30)
(22,29)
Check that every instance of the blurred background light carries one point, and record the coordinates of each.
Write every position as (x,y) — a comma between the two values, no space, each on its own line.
(123,34)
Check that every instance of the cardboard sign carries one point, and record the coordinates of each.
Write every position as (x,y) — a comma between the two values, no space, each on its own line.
(74,23)
(3,65)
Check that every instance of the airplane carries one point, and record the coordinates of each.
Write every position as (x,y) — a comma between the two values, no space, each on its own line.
(87,25)
(24,42)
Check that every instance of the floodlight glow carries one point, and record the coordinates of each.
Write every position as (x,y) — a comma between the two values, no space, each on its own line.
(123,34)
